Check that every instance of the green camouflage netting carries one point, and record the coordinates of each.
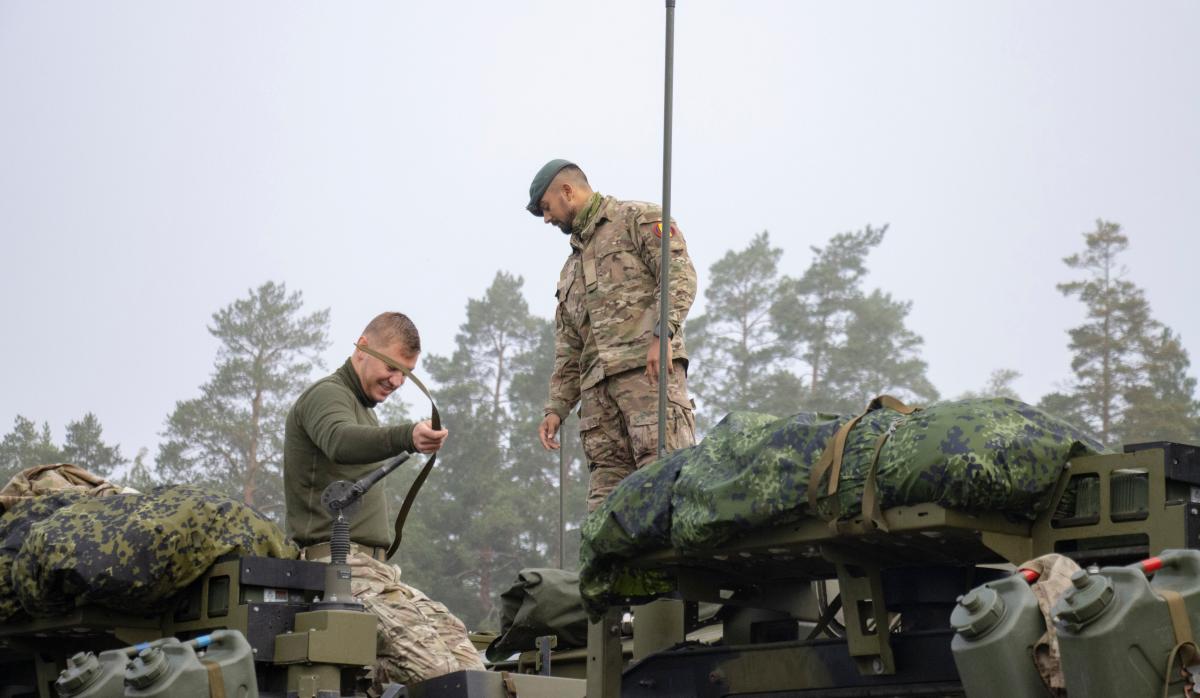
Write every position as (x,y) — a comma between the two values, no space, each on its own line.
(752,471)
(135,550)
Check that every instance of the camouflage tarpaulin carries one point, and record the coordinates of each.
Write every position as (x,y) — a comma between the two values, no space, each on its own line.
(752,471)
(136,550)
(14,529)
(978,455)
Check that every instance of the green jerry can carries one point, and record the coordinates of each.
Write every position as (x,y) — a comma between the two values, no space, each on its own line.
(996,627)
(1115,630)
(89,676)
(173,668)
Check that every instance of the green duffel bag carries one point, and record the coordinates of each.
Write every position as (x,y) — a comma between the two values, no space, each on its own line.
(543,601)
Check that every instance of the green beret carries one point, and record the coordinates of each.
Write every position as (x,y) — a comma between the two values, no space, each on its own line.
(541,182)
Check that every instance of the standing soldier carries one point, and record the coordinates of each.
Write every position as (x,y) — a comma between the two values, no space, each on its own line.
(606,337)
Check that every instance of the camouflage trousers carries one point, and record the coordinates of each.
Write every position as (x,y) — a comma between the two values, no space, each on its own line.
(418,638)
(618,425)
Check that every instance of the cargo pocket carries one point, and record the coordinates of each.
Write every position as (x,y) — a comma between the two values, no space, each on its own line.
(643,436)
(596,445)
(643,429)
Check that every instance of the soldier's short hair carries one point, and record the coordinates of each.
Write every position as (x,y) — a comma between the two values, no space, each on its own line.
(573,174)
(387,328)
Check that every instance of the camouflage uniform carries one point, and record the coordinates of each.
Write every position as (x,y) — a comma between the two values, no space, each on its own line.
(607,310)
(418,638)
(42,479)
(332,434)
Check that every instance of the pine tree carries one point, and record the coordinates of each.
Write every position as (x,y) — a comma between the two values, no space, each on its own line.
(26,446)
(999,385)
(739,362)
(230,438)
(814,311)
(85,447)
(1163,406)
(139,477)
(878,355)
(1106,346)
(855,345)
(490,500)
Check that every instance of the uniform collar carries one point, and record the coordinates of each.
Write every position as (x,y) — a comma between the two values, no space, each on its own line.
(349,376)
(587,220)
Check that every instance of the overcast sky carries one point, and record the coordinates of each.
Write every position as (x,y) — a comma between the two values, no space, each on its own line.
(159,159)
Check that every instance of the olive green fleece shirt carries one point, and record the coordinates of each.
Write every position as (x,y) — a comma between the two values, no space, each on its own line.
(332,434)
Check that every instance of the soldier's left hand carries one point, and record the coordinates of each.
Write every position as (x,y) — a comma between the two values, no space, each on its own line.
(652,361)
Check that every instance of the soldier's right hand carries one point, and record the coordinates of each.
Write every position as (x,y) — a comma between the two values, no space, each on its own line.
(426,439)
(548,430)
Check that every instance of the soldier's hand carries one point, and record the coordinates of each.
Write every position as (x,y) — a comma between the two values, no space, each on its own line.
(426,439)
(652,361)
(548,430)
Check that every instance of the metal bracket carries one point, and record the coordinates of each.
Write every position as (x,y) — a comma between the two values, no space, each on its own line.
(866,614)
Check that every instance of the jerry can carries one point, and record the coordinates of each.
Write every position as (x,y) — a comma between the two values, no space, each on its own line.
(167,669)
(89,676)
(1115,630)
(996,627)
(229,650)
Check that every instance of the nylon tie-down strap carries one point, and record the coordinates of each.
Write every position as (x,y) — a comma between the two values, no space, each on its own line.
(830,462)
(436,422)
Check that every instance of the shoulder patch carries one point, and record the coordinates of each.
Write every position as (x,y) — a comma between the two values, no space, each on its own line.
(658,230)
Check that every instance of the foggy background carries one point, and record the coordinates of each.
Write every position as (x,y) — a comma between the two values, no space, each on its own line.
(158,160)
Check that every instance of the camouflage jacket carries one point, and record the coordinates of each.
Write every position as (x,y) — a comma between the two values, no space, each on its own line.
(608,298)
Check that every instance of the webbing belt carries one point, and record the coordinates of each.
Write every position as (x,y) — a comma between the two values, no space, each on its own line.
(216,682)
(436,421)
(831,463)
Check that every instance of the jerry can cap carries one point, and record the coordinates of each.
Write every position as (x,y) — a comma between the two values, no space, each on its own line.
(977,613)
(82,670)
(1088,597)
(146,668)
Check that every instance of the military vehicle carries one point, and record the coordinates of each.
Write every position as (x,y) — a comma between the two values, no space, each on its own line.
(896,591)
(808,609)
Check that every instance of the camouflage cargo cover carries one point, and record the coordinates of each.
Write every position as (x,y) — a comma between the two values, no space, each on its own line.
(418,638)
(136,550)
(752,471)
(15,523)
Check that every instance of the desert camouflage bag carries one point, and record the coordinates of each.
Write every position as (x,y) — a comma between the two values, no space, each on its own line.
(754,471)
(54,477)
(136,550)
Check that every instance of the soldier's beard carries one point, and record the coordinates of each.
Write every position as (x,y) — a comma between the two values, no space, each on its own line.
(565,228)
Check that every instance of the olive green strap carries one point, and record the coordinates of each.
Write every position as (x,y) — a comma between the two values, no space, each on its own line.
(831,458)
(435,421)
(1185,647)
(871,508)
